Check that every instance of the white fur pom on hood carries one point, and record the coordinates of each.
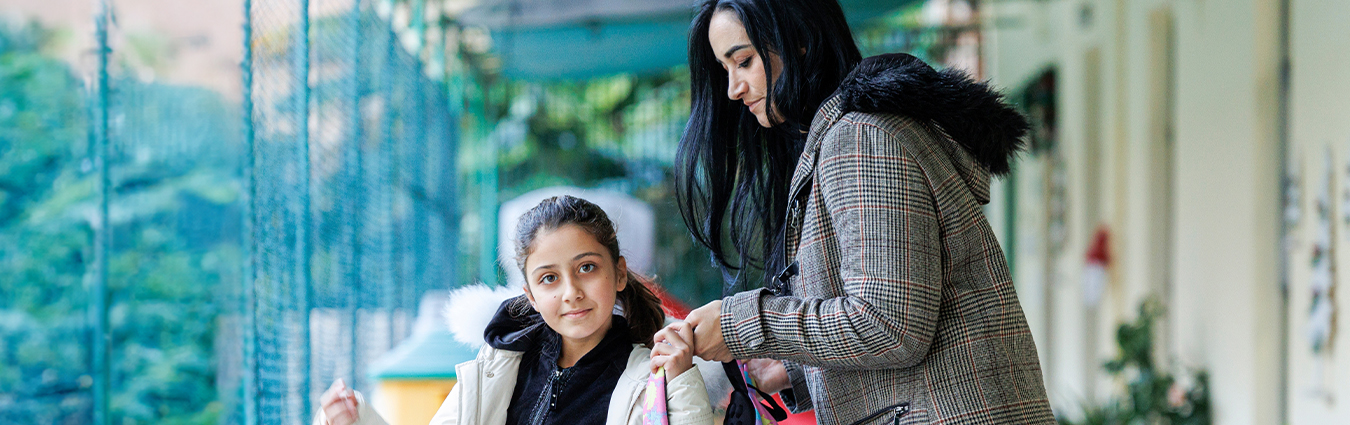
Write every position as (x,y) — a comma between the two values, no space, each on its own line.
(471,309)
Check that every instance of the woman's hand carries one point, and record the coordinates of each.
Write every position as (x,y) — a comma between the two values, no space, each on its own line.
(707,322)
(339,404)
(672,350)
(770,375)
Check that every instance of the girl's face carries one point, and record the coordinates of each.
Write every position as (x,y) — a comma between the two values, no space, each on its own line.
(572,282)
(744,65)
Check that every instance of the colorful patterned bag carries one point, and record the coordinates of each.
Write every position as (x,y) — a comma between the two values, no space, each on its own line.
(654,402)
(749,405)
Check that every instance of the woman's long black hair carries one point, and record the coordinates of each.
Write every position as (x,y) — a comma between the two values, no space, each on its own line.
(733,174)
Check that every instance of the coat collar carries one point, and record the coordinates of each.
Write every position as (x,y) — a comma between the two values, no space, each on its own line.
(971,114)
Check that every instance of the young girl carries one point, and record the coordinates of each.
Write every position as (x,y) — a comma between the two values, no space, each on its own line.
(561,353)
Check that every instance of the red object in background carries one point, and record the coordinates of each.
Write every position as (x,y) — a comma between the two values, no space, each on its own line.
(807,418)
(673,306)
(1100,250)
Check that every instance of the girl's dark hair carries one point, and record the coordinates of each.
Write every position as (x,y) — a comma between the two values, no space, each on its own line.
(641,307)
(733,173)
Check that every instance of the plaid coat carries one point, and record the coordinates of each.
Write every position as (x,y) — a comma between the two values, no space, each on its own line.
(902,309)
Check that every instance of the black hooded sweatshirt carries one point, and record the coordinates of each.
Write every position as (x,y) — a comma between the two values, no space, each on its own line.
(546,394)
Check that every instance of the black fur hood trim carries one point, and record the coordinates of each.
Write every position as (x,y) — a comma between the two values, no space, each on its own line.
(971,112)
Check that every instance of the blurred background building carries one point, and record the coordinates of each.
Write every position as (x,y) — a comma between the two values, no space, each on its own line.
(210,210)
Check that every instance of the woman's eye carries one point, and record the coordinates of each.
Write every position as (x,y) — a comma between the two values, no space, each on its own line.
(587,268)
(745,63)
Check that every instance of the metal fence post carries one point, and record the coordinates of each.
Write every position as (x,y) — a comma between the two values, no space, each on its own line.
(250,373)
(102,335)
(301,207)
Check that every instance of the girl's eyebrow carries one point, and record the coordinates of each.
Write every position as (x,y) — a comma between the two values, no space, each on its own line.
(578,257)
(584,254)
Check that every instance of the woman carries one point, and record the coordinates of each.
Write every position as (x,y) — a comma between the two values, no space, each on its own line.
(895,303)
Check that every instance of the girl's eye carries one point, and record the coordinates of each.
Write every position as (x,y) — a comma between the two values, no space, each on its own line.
(587,268)
(548,278)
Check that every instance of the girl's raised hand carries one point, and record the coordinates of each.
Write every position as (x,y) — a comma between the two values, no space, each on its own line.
(672,348)
(339,404)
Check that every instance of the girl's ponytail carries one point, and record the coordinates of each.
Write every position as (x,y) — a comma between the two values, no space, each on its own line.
(642,309)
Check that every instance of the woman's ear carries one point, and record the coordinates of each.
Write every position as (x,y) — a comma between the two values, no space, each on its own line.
(621,267)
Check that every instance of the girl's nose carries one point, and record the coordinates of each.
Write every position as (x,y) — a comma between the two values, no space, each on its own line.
(571,292)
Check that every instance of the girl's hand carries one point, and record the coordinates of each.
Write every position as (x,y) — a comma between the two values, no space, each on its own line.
(339,404)
(672,349)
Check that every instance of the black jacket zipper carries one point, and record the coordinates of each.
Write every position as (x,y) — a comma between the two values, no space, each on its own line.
(548,401)
(900,411)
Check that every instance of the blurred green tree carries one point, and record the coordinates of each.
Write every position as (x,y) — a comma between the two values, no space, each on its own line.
(175,242)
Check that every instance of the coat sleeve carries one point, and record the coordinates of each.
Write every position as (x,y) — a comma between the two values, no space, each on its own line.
(365,415)
(797,398)
(883,216)
(687,399)
(448,414)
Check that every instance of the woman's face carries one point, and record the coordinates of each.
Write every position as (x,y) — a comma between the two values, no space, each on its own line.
(744,66)
(572,282)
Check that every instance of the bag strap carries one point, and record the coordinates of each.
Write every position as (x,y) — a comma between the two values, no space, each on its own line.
(767,411)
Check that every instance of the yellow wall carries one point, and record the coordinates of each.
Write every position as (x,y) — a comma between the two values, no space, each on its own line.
(412,402)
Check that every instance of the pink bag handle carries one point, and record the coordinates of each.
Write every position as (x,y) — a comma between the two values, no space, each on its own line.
(654,401)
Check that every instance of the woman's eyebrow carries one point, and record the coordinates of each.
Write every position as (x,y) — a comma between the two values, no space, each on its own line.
(733,50)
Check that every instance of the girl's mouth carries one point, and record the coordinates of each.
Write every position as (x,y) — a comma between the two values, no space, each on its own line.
(576,314)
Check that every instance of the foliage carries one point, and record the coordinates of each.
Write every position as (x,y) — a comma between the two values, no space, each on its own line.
(174,242)
(618,133)
(1152,396)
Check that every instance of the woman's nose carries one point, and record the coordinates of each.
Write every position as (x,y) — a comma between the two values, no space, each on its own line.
(735,88)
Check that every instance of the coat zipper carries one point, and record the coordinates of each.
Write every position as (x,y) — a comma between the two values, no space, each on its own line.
(900,411)
(549,401)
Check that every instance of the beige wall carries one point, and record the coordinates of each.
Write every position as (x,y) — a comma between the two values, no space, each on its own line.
(1319,124)
(1183,174)
(1227,298)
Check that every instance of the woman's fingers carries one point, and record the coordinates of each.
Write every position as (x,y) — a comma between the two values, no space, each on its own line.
(769,375)
(685,331)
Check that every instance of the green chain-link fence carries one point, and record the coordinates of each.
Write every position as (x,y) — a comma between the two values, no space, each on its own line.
(167,259)
(353,212)
(190,264)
